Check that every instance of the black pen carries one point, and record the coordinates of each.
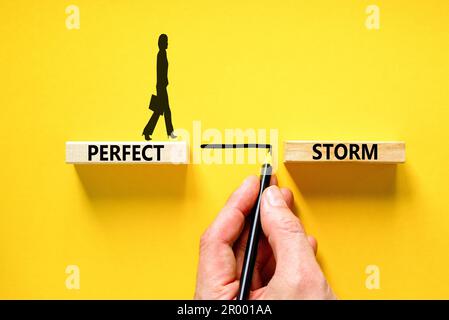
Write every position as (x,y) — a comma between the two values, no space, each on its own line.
(253,236)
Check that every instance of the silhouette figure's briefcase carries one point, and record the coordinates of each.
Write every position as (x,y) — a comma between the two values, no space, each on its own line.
(153,103)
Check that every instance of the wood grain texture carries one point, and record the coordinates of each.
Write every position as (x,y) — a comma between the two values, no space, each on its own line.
(344,151)
(109,152)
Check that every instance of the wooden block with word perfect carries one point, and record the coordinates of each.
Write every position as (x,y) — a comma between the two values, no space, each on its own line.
(163,152)
(344,151)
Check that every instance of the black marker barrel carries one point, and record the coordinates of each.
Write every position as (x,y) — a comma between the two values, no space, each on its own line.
(253,237)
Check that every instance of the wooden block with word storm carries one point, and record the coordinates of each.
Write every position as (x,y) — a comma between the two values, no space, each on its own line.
(344,151)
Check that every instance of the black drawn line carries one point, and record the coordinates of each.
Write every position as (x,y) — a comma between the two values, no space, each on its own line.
(237,146)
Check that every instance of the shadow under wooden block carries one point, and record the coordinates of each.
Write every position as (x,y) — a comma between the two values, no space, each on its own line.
(121,181)
(349,179)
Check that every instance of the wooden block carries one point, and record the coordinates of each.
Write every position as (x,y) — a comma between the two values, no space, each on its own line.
(164,152)
(344,151)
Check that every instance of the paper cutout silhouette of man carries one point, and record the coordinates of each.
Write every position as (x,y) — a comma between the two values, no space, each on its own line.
(162,95)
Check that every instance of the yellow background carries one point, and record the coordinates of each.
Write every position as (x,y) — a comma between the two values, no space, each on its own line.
(310,69)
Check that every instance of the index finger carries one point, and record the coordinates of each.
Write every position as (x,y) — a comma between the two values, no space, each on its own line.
(229,223)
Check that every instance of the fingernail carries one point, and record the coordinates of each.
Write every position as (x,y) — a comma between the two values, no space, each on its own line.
(275,197)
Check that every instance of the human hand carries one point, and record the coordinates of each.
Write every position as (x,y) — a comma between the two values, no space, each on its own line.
(285,268)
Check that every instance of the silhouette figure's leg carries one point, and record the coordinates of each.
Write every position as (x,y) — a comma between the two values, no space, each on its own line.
(149,128)
(163,100)
(168,123)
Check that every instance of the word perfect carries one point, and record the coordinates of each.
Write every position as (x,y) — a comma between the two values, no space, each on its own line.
(124,152)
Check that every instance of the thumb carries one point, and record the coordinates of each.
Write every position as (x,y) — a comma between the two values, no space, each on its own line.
(286,235)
